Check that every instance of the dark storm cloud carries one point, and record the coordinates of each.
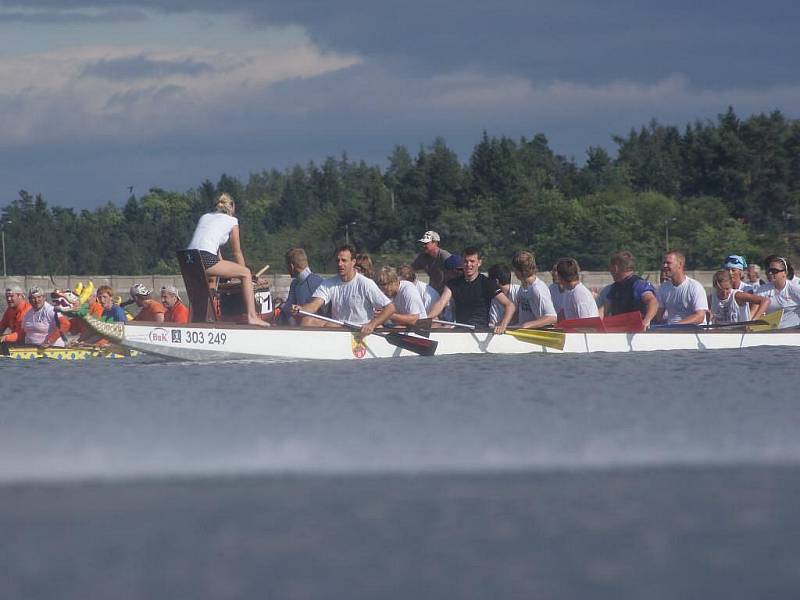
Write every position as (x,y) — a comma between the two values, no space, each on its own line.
(141,67)
(428,69)
(58,17)
(713,43)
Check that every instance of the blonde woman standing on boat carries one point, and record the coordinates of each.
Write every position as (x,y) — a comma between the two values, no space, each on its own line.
(214,230)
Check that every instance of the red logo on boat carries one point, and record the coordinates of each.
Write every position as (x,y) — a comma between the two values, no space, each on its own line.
(358,346)
(158,335)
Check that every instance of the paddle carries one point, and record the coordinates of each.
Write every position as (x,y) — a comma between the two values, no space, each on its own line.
(629,322)
(770,321)
(421,327)
(543,337)
(414,344)
(585,325)
(454,324)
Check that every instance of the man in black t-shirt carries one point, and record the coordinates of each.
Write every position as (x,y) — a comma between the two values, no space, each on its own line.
(472,295)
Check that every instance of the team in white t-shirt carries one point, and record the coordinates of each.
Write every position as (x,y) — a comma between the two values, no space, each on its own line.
(681,299)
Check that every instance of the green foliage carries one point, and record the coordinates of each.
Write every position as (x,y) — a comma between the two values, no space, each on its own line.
(717,187)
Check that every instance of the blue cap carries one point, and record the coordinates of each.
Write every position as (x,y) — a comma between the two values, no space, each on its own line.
(734,261)
(453,262)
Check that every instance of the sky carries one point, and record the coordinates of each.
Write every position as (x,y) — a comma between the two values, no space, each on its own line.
(99,96)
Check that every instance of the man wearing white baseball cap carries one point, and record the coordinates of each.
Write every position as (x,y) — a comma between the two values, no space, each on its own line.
(176,311)
(431,260)
(15,313)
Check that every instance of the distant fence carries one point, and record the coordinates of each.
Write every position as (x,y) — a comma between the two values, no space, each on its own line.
(279,283)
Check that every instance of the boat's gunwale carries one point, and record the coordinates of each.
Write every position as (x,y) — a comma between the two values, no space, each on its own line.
(245,326)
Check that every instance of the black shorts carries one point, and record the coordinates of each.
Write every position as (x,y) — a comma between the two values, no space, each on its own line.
(208,259)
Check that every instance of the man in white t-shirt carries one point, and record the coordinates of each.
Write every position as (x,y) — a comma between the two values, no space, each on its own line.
(534,302)
(681,299)
(426,290)
(577,301)
(408,304)
(352,297)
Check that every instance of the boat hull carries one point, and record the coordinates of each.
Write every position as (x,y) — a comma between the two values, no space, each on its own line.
(215,341)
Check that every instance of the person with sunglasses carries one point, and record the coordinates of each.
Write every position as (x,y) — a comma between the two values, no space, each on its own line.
(783,292)
(736,265)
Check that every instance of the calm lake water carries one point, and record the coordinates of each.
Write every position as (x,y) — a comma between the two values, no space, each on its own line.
(658,475)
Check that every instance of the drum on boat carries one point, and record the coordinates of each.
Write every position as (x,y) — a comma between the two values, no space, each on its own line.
(231,305)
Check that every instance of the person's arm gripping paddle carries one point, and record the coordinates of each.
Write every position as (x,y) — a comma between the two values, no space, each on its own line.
(312,306)
(441,303)
(651,302)
(761,302)
(378,320)
(508,314)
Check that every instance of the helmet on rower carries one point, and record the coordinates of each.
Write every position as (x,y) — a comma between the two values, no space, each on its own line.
(139,289)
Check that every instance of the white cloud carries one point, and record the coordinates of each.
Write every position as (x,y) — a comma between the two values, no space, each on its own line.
(50,95)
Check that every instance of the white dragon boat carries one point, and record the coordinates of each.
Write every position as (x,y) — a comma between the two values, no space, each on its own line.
(206,338)
(222,341)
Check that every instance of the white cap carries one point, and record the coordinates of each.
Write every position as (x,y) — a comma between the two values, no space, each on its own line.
(429,236)
(171,289)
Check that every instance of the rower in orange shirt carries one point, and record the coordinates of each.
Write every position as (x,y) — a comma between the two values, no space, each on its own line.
(177,311)
(151,310)
(12,317)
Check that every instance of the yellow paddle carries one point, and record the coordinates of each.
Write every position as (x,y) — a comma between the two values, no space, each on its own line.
(551,339)
(773,321)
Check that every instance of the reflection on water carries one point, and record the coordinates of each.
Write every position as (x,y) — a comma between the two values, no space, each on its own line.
(466,414)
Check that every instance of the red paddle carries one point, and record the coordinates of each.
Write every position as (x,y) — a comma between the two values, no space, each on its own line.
(629,322)
(586,325)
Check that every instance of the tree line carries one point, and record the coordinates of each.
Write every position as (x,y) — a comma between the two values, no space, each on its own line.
(716,187)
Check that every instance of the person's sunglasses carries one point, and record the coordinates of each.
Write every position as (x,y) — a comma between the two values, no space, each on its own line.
(775,271)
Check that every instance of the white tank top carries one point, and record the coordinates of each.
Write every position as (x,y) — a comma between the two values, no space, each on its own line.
(744,310)
(728,310)
(213,230)
(38,324)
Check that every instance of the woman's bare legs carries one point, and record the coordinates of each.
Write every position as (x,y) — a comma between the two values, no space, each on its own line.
(227,268)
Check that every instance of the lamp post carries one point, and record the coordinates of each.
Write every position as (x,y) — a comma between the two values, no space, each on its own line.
(666,232)
(3,234)
(347,231)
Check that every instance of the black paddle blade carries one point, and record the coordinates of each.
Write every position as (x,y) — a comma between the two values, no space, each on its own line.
(413,344)
(422,327)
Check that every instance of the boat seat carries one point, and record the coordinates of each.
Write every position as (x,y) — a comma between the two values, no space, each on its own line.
(201,297)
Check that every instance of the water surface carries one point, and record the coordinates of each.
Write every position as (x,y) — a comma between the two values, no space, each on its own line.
(632,475)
